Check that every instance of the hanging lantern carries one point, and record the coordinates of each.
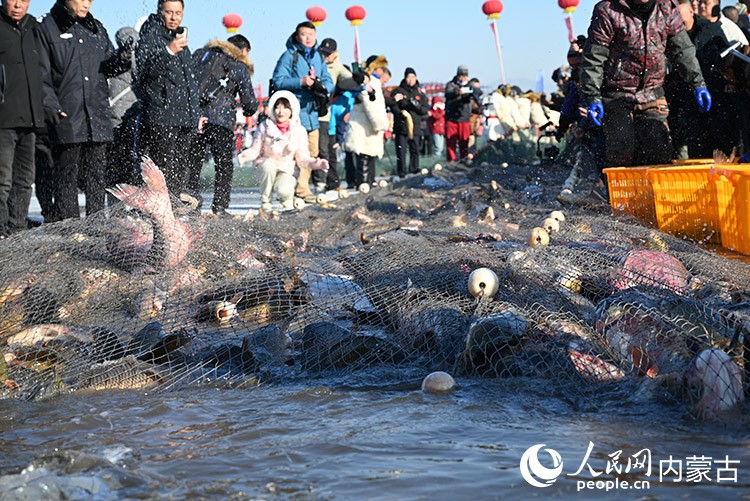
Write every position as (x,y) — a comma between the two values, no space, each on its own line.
(568,6)
(355,14)
(232,22)
(492,9)
(316,15)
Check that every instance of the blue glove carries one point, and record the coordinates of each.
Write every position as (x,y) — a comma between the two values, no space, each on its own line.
(595,112)
(704,99)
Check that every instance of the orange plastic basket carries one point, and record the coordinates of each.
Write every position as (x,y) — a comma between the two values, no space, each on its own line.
(685,202)
(733,196)
(630,192)
(693,161)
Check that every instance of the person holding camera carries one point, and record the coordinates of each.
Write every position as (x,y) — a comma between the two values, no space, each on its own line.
(344,81)
(459,96)
(409,106)
(168,90)
(76,58)
(302,70)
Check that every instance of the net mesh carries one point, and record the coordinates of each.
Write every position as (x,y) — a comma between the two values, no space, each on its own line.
(376,288)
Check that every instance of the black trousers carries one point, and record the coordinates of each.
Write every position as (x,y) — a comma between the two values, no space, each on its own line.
(122,155)
(220,142)
(635,137)
(84,162)
(364,171)
(16,177)
(719,129)
(169,148)
(402,142)
(44,184)
(327,151)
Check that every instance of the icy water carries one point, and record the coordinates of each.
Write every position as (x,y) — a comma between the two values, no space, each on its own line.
(336,442)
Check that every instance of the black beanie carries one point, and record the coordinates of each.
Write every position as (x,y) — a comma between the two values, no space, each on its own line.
(409,71)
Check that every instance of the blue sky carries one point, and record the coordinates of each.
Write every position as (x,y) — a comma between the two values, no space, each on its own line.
(433,36)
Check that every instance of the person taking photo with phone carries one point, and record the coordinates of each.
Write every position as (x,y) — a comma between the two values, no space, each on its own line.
(168,90)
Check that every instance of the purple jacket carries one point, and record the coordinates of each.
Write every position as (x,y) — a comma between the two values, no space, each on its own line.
(623,58)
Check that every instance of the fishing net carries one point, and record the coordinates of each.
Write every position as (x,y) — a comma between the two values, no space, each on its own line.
(379,288)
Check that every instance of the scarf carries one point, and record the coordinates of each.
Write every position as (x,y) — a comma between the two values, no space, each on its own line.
(642,10)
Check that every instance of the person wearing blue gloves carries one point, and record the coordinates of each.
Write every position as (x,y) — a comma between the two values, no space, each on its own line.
(624,64)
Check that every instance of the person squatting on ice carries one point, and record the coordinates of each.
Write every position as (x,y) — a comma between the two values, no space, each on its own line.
(622,77)
(302,70)
(279,147)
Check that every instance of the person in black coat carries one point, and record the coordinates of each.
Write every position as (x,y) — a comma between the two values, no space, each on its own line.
(409,106)
(21,112)
(77,57)
(224,71)
(459,96)
(168,90)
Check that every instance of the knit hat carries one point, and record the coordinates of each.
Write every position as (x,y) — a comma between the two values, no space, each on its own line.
(409,71)
(327,46)
(462,71)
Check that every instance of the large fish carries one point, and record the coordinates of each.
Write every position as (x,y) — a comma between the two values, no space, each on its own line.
(172,237)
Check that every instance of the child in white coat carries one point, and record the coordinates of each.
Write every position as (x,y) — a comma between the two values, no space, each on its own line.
(279,150)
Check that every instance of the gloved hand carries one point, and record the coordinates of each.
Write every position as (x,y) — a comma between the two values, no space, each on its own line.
(358,77)
(704,99)
(53,118)
(595,112)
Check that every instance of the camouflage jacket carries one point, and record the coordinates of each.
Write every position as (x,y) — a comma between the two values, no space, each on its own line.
(625,57)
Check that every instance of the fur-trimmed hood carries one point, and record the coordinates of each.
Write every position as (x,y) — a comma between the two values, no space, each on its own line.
(293,101)
(232,51)
(379,62)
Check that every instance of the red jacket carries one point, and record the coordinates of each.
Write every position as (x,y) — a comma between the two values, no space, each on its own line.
(436,120)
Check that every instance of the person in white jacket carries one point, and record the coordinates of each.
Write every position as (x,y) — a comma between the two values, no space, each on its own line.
(368,122)
(279,149)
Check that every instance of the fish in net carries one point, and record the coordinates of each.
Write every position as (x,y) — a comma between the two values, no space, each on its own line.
(376,290)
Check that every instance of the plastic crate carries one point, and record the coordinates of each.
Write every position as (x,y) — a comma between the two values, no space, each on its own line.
(686,203)
(733,195)
(693,161)
(630,192)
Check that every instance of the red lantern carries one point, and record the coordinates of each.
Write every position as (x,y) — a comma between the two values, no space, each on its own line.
(569,6)
(316,15)
(492,8)
(355,14)
(232,22)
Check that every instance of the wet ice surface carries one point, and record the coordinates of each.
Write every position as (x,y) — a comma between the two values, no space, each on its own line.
(322,440)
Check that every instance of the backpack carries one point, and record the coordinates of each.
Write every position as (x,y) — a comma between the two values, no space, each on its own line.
(320,99)
(216,80)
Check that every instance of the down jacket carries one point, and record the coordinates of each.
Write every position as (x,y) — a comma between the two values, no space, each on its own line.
(289,71)
(367,123)
(624,58)
(166,83)
(77,57)
(285,151)
(238,70)
(415,102)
